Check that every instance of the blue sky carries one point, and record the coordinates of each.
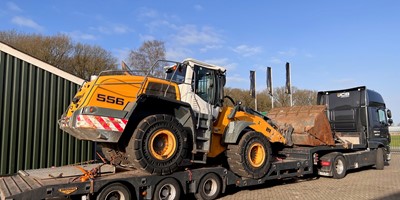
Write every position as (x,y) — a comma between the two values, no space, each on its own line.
(330,44)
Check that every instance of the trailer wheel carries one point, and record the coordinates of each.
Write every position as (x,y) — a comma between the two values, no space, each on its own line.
(251,157)
(380,159)
(209,187)
(158,145)
(114,191)
(339,167)
(167,189)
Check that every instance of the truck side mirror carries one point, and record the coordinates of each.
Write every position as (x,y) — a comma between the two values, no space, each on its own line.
(390,121)
(389,114)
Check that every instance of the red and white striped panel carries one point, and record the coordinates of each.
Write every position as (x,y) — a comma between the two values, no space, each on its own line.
(99,122)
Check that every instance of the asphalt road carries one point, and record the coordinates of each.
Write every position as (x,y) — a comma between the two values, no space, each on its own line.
(365,183)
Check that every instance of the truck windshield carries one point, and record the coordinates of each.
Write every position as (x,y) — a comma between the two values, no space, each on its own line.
(176,74)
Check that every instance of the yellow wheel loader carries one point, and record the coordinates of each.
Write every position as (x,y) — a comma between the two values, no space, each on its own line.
(154,124)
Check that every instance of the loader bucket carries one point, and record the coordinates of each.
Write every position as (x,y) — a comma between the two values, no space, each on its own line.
(310,124)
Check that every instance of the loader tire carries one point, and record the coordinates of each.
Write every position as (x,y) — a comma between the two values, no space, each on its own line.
(158,145)
(251,157)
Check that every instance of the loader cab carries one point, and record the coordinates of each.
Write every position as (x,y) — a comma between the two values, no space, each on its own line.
(358,116)
(201,85)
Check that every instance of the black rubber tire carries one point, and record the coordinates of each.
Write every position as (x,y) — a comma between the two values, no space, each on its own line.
(140,145)
(339,167)
(380,159)
(114,191)
(209,187)
(239,161)
(167,189)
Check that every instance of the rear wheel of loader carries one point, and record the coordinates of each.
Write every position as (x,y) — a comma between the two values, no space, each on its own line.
(158,144)
(251,157)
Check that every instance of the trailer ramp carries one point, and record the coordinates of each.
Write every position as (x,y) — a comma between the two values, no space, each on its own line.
(32,184)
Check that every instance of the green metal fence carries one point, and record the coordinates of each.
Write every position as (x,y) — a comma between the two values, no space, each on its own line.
(32,99)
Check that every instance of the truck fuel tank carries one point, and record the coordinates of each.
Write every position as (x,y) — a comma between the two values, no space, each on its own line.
(310,123)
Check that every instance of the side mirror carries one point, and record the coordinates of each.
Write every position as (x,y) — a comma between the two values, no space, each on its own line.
(390,121)
(389,114)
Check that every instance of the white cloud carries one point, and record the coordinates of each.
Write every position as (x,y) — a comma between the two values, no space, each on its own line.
(223,62)
(210,47)
(245,50)
(275,60)
(291,52)
(146,37)
(193,35)
(13,7)
(22,21)
(148,13)
(198,7)
(78,35)
(236,78)
(113,29)
(178,53)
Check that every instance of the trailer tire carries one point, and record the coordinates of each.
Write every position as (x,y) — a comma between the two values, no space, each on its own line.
(158,145)
(117,191)
(251,157)
(209,187)
(380,159)
(339,167)
(167,189)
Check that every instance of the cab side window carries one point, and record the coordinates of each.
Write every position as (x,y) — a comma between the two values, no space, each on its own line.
(382,116)
(203,83)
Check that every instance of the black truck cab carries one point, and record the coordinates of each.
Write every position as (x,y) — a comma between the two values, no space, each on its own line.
(358,116)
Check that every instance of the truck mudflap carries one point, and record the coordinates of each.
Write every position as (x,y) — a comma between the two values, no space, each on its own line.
(94,126)
(310,123)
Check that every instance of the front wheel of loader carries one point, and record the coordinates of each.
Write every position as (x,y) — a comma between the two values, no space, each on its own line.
(251,157)
(158,144)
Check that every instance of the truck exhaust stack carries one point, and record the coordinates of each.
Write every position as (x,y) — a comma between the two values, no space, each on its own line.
(310,123)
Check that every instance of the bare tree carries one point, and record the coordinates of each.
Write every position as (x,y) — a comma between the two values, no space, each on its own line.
(54,50)
(89,60)
(304,97)
(281,99)
(79,59)
(142,59)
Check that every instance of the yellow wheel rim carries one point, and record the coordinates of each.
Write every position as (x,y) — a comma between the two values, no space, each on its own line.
(256,155)
(162,144)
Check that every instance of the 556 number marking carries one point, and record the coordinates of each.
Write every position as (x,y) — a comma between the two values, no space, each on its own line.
(110,99)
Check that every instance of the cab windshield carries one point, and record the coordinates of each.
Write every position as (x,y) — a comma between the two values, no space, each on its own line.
(176,74)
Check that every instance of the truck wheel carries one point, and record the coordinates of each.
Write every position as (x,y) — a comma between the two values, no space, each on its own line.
(115,191)
(380,159)
(158,144)
(339,167)
(251,157)
(167,189)
(209,187)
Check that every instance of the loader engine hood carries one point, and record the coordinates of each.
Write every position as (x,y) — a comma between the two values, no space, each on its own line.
(100,109)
